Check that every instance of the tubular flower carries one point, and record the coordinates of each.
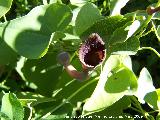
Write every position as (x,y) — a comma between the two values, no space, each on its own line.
(92,51)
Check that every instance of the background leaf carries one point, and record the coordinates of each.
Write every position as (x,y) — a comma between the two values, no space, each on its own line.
(5,5)
(42,72)
(116,6)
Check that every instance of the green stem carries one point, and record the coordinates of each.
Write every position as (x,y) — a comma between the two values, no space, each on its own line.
(155,31)
(142,35)
(153,111)
(137,110)
(4,18)
(145,23)
(150,48)
(70,97)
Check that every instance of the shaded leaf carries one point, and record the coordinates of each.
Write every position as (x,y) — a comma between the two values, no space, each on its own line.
(4,116)
(31,39)
(42,72)
(114,111)
(57,113)
(7,55)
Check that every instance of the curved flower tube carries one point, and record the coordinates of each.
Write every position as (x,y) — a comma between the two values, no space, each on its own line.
(91,53)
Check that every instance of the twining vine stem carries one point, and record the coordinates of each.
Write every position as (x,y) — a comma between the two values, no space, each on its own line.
(150,48)
(145,23)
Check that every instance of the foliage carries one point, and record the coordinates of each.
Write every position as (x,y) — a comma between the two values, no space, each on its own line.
(34,85)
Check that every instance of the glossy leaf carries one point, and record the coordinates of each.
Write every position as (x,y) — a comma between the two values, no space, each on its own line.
(5,6)
(12,107)
(87,16)
(31,39)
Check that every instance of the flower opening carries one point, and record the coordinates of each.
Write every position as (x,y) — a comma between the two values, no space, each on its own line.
(92,51)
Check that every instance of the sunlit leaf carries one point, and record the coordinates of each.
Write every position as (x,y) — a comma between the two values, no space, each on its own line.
(78,2)
(12,107)
(145,84)
(5,5)
(116,6)
(106,94)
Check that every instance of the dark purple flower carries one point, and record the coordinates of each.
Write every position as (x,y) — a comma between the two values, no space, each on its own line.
(92,51)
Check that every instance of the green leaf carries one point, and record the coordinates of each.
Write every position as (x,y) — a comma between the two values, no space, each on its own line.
(157,32)
(7,55)
(69,86)
(123,33)
(41,72)
(115,111)
(116,6)
(129,47)
(31,39)
(5,6)
(66,42)
(78,2)
(86,17)
(121,79)
(153,99)
(98,99)
(105,27)
(60,113)
(4,116)
(144,79)
(12,107)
